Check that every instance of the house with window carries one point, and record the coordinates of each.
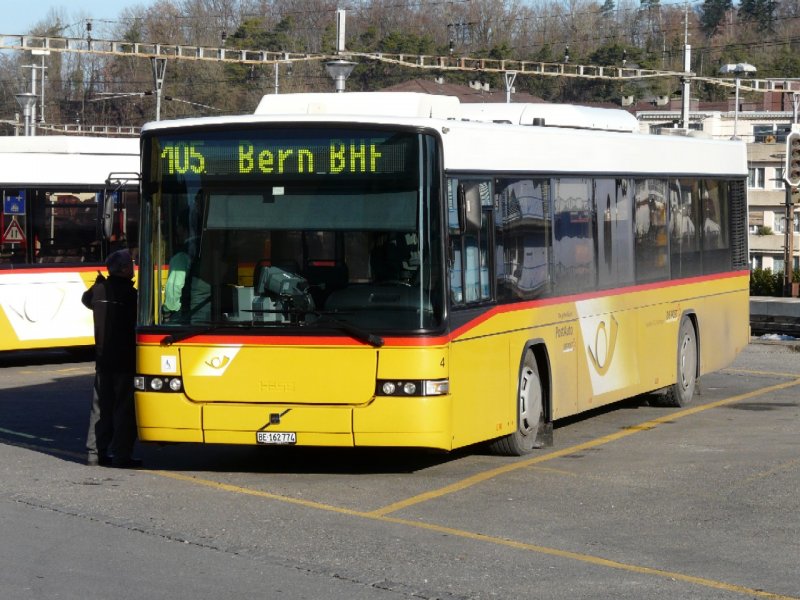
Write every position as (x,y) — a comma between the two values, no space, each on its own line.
(767,206)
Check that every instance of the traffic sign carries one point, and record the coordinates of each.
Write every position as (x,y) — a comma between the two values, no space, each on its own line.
(14,233)
(14,205)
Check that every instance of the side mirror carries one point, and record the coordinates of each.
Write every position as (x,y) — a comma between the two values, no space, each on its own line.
(469,207)
(107,218)
(115,183)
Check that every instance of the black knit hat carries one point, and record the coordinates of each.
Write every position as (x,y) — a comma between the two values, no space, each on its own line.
(119,262)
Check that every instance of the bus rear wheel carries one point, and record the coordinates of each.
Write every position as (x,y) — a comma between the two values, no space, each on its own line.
(530,413)
(682,391)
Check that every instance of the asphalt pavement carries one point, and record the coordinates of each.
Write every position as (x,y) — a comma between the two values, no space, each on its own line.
(632,501)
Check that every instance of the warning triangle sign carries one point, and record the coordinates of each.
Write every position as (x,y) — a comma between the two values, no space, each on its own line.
(13,233)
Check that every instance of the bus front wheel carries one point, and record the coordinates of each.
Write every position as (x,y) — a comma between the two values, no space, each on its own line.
(682,391)
(530,413)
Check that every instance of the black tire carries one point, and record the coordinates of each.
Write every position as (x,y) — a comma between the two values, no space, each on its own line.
(682,391)
(530,413)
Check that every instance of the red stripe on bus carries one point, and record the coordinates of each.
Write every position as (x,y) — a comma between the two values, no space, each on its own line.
(433,340)
(55,269)
(644,287)
(289,340)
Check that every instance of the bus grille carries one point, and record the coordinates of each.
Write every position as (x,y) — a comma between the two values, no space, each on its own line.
(738,217)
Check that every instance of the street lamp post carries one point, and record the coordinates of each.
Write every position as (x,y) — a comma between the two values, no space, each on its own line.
(339,70)
(159,68)
(788,243)
(738,70)
(285,61)
(27,100)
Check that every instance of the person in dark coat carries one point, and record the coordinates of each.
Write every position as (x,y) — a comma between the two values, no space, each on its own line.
(112,422)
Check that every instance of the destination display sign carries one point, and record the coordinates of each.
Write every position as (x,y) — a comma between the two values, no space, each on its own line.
(253,156)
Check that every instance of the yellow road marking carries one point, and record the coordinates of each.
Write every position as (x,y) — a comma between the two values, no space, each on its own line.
(381,514)
(227,487)
(593,560)
(764,373)
(81,369)
(522,464)
(776,469)
(25,435)
(577,556)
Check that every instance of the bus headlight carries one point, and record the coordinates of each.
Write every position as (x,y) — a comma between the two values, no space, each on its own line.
(412,387)
(147,383)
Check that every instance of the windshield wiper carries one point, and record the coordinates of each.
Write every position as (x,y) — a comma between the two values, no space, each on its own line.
(322,318)
(354,331)
(173,338)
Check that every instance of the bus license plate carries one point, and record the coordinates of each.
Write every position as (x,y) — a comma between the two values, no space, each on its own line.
(276,437)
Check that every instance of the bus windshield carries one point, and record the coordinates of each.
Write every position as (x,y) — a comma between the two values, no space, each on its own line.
(292,227)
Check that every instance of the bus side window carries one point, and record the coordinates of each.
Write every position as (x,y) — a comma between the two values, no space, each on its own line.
(470,259)
(651,247)
(614,201)
(454,263)
(523,226)
(574,252)
(716,230)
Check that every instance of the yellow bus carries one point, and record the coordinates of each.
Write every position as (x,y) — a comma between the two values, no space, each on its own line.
(67,203)
(375,269)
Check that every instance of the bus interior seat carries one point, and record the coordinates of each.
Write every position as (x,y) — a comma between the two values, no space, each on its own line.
(389,257)
(287,264)
(325,279)
(260,266)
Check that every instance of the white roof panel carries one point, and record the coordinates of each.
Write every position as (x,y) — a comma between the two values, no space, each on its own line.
(503,137)
(394,104)
(553,115)
(65,160)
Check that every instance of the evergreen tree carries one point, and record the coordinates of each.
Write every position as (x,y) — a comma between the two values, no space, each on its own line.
(760,12)
(712,14)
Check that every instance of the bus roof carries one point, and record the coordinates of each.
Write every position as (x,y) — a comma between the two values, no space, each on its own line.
(547,138)
(412,104)
(66,144)
(65,160)
(553,115)
(386,104)
(390,106)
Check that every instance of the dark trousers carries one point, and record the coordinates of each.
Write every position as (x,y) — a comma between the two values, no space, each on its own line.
(112,421)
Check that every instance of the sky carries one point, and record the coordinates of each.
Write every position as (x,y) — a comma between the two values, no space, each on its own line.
(20,16)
